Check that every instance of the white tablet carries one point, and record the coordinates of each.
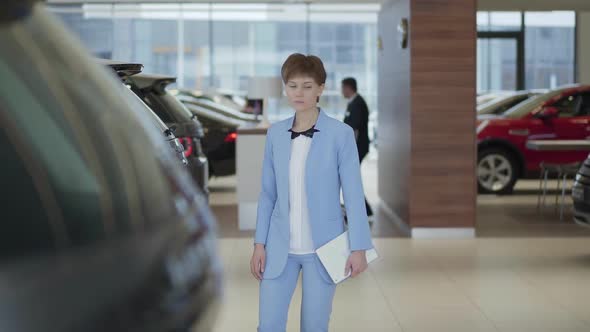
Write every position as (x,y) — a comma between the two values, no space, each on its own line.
(334,255)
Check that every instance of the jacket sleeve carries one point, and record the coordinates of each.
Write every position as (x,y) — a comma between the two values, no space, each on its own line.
(268,193)
(349,172)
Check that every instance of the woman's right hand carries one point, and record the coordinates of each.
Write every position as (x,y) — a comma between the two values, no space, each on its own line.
(258,260)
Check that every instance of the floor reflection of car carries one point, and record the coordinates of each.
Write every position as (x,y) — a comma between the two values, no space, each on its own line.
(501,104)
(123,71)
(102,229)
(221,124)
(581,195)
(152,90)
(503,158)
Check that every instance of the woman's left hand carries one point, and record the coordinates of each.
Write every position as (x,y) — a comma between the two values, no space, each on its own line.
(357,263)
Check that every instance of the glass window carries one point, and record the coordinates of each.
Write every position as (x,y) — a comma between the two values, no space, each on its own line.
(222,45)
(496,64)
(196,70)
(585,108)
(499,21)
(511,103)
(568,106)
(549,49)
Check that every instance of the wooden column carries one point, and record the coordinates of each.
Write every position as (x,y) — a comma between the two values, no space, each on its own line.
(439,190)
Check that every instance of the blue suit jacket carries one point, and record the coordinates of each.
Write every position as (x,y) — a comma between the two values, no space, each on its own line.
(332,163)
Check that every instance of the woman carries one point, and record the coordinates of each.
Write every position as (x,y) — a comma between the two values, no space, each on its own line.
(308,158)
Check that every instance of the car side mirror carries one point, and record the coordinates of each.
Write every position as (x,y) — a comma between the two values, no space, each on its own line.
(548,112)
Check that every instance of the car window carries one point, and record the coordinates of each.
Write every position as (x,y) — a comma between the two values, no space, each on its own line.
(532,104)
(28,185)
(76,127)
(568,106)
(585,107)
(505,106)
(160,110)
(55,144)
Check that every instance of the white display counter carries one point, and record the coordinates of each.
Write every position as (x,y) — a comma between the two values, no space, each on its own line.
(249,156)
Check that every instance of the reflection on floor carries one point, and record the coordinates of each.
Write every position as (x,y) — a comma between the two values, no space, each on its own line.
(516,215)
(508,285)
(526,272)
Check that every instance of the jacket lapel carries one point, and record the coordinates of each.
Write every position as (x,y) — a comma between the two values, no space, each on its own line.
(313,148)
(285,151)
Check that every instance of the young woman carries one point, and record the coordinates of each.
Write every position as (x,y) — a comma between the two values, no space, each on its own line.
(308,158)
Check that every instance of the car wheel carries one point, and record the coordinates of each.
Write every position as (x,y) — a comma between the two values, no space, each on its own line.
(496,171)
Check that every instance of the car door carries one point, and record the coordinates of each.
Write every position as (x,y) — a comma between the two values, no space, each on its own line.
(572,123)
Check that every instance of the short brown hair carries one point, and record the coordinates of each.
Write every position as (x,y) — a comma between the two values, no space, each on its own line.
(308,65)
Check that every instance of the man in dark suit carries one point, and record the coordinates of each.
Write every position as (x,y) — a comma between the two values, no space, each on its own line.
(357,116)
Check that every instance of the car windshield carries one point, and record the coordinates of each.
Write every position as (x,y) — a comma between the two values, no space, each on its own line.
(172,103)
(501,104)
(159,124)
(529,105)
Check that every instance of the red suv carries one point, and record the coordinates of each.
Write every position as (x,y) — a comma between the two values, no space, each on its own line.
(503,158)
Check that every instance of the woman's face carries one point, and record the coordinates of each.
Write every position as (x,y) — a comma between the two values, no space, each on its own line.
(303,92)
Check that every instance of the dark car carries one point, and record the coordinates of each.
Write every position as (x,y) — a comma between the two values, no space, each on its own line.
(97,234)
(581,195)
(151,89)
(216,102)
(123,71)
(221,124)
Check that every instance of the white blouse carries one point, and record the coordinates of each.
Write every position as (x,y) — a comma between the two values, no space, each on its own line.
(301,240)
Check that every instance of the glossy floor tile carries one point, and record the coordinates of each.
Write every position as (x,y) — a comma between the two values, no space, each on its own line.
(526,272)
(506,285)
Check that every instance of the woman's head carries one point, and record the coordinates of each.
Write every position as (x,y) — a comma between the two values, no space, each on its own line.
(304,77)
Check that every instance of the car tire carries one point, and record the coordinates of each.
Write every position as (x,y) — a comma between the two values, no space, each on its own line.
(497,171)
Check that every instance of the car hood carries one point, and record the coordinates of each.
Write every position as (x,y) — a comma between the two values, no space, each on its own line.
(482,117)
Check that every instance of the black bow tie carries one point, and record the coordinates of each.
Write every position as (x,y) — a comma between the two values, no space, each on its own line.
(309,132)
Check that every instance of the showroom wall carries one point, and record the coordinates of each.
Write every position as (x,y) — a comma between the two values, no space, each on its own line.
(429,180)
(393,125)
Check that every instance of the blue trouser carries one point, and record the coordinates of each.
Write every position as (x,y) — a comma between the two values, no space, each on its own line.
(317,296)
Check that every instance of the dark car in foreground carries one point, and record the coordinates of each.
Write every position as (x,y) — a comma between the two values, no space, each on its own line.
(96,233)
(581,195)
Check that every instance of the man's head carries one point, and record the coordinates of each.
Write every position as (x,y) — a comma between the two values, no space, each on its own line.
(349,87)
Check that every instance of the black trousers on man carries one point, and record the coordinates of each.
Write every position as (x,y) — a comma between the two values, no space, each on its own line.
(362,155)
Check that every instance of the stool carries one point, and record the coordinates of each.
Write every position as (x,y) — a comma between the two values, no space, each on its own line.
(563,171)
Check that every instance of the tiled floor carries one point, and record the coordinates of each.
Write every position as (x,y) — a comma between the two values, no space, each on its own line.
(515,285)
(526,271)
(517,215)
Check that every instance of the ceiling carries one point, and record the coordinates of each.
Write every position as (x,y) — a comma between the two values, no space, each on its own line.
(222,1)
(531,5)
(499,5)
